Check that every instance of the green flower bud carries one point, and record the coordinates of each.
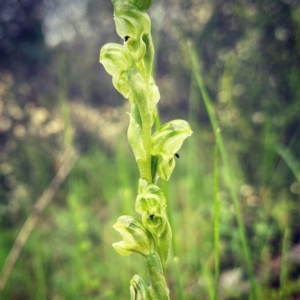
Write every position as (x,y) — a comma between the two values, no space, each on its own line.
(165,144)
(138,289)
(135,236)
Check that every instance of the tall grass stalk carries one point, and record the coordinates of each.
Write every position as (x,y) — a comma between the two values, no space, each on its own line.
(63,100)
(208,276)
(73,185)
(290,160)
(39,272)
(283,268)
(78,224)
(229,173)
(216,223)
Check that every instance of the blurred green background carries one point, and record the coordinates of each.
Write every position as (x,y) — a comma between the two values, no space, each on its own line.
(55,96)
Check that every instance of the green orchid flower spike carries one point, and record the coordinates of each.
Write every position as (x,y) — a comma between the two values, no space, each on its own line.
(130,66)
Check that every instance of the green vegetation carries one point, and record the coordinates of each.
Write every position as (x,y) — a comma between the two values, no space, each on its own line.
(67,172)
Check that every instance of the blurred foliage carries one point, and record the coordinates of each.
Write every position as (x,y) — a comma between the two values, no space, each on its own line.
(49,69)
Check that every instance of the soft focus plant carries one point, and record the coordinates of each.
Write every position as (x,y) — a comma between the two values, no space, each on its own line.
(130,65)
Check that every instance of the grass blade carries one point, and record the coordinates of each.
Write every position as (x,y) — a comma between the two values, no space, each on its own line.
(216,223)
(229,174)
(290,160)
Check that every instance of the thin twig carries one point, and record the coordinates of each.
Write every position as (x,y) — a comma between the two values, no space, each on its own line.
(68,161)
